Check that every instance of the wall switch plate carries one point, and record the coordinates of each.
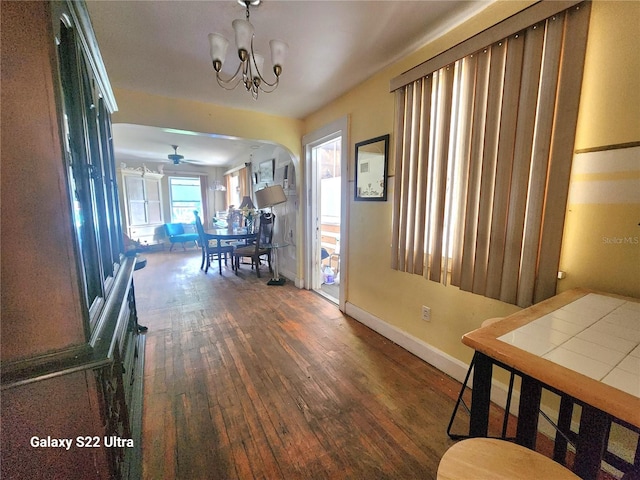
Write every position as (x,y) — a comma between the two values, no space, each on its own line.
(426,314)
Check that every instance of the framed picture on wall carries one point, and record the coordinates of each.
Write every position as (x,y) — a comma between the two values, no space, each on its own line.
(266,170)
(372,157)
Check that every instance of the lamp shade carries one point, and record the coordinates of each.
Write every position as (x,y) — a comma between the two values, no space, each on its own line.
(218,47)
(247,203)
(278,52)
(270,196)
(244,34)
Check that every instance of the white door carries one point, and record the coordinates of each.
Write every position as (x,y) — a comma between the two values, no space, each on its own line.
(325,210)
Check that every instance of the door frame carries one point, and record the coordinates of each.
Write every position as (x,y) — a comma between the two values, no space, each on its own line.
(337,129)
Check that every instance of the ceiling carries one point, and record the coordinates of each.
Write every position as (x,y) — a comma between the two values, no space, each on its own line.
(161,48)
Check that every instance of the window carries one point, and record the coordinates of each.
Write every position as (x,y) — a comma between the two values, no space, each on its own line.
(186,196)
(484,144)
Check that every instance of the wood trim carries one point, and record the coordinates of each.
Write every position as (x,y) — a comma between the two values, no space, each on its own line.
(620,404)
(515,23)
(604,148)
(97,353)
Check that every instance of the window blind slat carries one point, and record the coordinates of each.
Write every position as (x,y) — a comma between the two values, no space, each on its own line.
(440,171)
(504,163)
(489,157)
(533,46)
(406,159)
(421,200)
(475,172)
(412,183)
(397,185)
(563,139)
(469,66)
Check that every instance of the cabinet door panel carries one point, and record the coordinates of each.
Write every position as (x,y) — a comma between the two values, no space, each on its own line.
(135,188)
(137,213)
(155,212)
(153,190)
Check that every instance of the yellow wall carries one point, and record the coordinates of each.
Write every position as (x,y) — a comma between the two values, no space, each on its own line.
(601,248)
(396,297)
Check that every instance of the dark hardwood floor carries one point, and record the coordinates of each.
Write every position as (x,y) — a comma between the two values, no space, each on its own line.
(244,380)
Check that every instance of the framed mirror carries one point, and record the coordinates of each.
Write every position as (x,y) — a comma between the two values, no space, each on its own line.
(372,157)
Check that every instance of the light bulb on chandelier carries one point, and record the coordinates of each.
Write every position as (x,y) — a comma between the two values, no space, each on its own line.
(249,72)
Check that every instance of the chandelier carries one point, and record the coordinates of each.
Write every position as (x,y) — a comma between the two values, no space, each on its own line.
(250,70)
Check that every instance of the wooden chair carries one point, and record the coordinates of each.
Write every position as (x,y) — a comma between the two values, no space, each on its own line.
(493,459)
(258,249)
(209,246)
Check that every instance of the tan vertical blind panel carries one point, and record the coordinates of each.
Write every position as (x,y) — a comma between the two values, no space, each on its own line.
(397,187)
(542,142)
(568,100)
(414,163)
(468,76)
(421,198)
(475,172)
(534,44)
(490,151)
(504,163)
(406,163)
(439,178)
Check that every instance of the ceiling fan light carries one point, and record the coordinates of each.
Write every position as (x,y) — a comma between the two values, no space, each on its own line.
(218,49)
(244,35)
(279,51)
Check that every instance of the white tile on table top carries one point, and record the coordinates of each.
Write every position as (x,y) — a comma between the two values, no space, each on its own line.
(595,351)
(617,331)
(578,363)
(635,306)
(631,365)
(635,352)
(527,342)
(556,323)
(610,341)
(543,332)
(595,300)
(624,317)
(623,380)
(573,317)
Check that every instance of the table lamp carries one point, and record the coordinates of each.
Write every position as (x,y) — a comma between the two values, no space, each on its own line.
(269,197)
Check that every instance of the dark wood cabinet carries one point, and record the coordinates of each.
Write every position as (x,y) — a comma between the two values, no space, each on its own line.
(72,354)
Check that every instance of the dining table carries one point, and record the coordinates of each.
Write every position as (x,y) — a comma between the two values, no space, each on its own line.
(227,236)
(581,344)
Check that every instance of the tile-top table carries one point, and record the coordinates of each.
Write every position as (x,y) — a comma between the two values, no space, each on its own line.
(581,344)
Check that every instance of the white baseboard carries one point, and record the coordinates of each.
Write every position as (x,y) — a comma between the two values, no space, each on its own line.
(444,362)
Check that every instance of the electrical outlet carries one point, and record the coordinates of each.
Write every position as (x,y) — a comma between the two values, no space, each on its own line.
(426,314)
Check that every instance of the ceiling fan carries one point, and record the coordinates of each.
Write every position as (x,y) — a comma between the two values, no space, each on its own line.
(175,157)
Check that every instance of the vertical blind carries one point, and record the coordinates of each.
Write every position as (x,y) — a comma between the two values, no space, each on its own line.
(483,158)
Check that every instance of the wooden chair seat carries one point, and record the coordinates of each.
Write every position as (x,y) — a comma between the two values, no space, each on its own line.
(260,248)
(493,459)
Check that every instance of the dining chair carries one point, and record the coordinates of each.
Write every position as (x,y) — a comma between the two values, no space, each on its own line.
(260,248)
(210,247)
